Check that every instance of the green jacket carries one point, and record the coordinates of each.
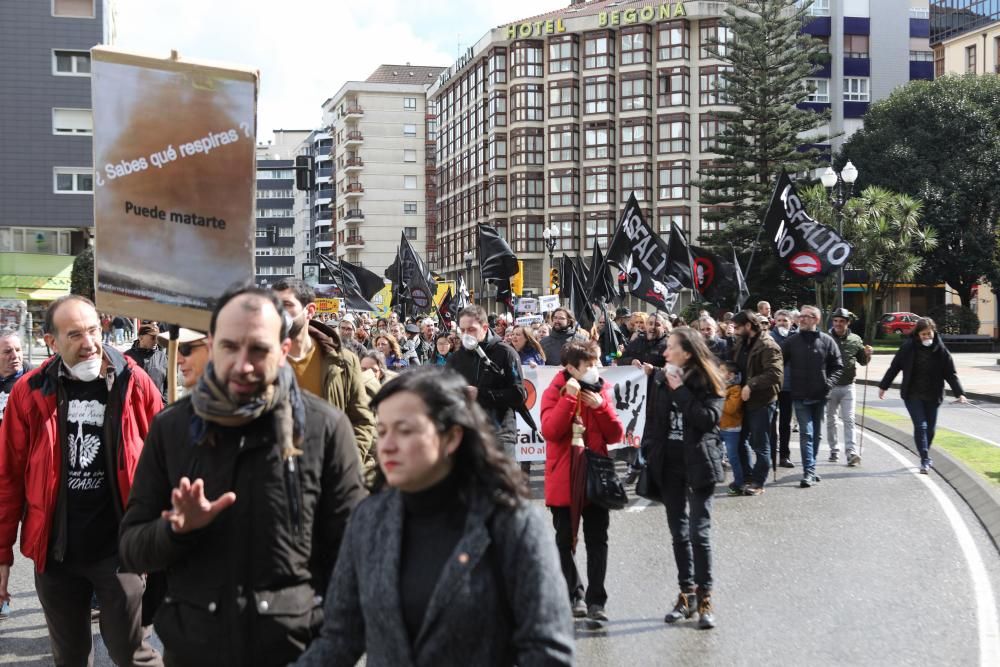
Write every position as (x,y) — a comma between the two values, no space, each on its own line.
(852,351)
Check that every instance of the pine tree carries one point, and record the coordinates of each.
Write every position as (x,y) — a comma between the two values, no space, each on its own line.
(768,57)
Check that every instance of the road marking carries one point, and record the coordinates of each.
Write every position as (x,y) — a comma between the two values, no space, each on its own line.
(639,505)
(971,435)
(986,608)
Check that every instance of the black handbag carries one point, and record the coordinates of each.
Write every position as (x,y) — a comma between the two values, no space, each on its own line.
(645,487)
(603,486)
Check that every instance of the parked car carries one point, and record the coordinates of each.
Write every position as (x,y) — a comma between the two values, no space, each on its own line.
(898,323)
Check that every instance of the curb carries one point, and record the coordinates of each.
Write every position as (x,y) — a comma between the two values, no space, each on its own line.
(983,500)
(972,395)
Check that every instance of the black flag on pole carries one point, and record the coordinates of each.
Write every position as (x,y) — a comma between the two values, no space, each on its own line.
(643,258)
(805,247)
(369,283)
(601,286)
(741,282)
(575,291)
(715,278)
(496,260)
(679,264)
(347,284)
(415,279)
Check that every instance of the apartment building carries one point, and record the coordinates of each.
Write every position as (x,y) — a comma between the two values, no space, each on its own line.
(950,18)
(274,249)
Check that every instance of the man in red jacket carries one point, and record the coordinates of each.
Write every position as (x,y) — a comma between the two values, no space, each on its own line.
(69,444)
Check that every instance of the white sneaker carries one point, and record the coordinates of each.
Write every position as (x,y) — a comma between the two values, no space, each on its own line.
(853,460)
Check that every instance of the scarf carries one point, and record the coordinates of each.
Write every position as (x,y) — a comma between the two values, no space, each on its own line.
(213,405)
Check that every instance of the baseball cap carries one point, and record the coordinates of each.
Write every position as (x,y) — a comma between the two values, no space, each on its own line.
(183,336)
(842,313)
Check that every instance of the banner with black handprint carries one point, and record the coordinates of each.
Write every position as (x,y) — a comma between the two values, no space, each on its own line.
(628,392)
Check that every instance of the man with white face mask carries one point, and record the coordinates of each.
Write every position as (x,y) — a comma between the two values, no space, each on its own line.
(493,370)
(69,446)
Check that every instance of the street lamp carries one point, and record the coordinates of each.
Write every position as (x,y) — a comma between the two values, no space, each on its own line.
(551,234)
(839,189)
(468,268)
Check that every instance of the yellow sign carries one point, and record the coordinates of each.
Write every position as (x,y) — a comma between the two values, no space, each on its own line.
(442,291)
(534,29)
(383,301)
(666,10)
(517,281)
(328,306)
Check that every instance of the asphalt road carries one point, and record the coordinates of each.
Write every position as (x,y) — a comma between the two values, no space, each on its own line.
(867,568)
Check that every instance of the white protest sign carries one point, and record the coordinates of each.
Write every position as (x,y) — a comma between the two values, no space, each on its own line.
(528,320)
(548,303)
(527,305)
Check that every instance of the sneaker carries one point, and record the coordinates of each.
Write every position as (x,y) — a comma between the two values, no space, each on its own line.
(706,618)
(579,609)
(806,482)
(853,461)
(595,612)
(816,478)
(785,463)
(4,611)
(734,491)
(683,609)
(834,458)
(754,490)
(925,467)
(632,476)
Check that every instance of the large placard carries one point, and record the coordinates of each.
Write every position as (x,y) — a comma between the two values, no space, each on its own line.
(174,184)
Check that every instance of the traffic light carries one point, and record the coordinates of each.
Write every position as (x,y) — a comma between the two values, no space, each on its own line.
(553,280)
(305,173)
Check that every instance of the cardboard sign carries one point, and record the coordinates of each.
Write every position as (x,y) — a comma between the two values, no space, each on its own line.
(528,320)
(527,305)
(328,306)
(174,184)
(548,303)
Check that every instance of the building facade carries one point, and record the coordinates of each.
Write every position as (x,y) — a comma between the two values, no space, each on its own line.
(950,18)
(274,249)
(551,122)
(46,165)
(383,159)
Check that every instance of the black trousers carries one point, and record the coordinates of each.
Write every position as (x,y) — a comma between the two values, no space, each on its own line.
(65,589)
(781,426)
(595,522)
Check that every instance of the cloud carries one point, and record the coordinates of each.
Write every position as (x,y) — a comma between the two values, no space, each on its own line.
(306,50)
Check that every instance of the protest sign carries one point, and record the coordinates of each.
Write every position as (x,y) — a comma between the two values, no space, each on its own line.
(548,303)
(174,184)
(628,392)
(328,306)
(528,320)
(527,305)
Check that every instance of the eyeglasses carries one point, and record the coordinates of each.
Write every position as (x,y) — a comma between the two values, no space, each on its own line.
(185,349)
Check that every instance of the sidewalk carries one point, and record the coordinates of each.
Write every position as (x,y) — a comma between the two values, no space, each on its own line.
(979,373)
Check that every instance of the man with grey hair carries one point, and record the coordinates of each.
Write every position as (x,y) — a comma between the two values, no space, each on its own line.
(853,351)
(11,365)
(814,365)
(425,341)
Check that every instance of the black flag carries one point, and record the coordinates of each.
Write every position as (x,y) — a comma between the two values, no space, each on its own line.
(414,277)
(369,283)
(601,287)
(679,261)
(347,284)
(741,282)
(804,246)
(462,298)
(496,260)
(643,258)
(715,278)
(444,311)
(575,291)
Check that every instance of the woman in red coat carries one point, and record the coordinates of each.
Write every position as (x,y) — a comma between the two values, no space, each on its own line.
(579,391)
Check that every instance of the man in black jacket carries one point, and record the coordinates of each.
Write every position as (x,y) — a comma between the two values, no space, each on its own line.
(150,357)
(242,496)
(648,349)
(563,331)
(813,363)
(493,370)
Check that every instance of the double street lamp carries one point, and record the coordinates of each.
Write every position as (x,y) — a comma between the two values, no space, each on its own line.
(551,236)
(839,189)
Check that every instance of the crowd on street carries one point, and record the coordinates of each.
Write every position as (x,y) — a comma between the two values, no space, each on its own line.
(333,487)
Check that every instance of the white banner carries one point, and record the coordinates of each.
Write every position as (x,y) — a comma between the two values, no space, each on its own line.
(628,393)
(548,303)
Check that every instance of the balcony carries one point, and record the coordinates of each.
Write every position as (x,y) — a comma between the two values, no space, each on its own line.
(353,164)
(353,242)
(354,214)
(324,239)
(353,190)
(353,110)
(354,138)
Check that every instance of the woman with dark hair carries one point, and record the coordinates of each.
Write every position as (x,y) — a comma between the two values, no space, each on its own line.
(926,365)
(442,350)
(448,562)
(389,347)
(578,397)
(683,451)
(523,340)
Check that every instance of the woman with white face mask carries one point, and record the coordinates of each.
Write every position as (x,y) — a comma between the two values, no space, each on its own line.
(926,365)
(578,397)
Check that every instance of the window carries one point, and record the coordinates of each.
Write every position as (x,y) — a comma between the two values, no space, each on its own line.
(497,194)
(636,138)
(598,50)
(275,194)
(674,179)
(527,102)
(712,84)
(275,174)
(712,218)
(567,227)
(636,179)
(409,130)
(636,94)
(855,89)
(498,66)
(526,233)
(526,59)
(410,103)
(939,61)
(498,109)
(72,121)
(635,45)
(564,54)
(274,213)
(73,9)
(598,94)
(409,208)
(855,46)
(72,180)
(970,59)
(820,90)
(599,140)
(678,215)
(529,146)
(709,130)
(527,190)
(498,152)
(410,182)
(564,143)
(564,187)
(564,98)
(675,41)
(818,8)
(35,240)
(410,233)
(599,185)
(71,63)
(409,156)
(921,56)
(673,87)
(674,134)
(715,38)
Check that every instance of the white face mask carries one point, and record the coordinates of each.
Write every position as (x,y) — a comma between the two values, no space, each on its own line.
(87,371)
(469,342)
(927,342)
(783,331)
(591,376)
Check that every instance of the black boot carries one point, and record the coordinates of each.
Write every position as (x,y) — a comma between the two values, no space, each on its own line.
(706,618)
(683,609)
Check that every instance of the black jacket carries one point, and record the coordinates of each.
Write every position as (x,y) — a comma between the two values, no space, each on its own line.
(701,410)
(645,350)
(154,362)
(942,370)
(500,385)
(553,344)
(246,588)
(812,360)
(7,385)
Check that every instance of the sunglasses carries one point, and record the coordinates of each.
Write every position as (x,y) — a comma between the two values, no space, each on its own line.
(185,349)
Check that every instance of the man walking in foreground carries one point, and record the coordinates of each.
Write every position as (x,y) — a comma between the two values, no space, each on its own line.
(853,351)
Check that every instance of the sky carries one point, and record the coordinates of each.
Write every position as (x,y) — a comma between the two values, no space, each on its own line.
(306,50)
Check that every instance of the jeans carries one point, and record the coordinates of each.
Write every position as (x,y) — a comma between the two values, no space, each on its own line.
(781,427)
(810,416)
(595,522)
(119,336)
(757,424)
(841,399)
(689,516)
(732,442)
(923,414)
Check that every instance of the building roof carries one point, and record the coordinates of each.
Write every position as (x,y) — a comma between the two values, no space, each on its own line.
(404,74)
(590,8)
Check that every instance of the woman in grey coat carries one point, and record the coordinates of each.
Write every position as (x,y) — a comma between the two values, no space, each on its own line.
(448,563)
